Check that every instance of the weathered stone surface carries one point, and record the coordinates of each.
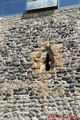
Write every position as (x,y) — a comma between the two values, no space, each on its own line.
(27,90)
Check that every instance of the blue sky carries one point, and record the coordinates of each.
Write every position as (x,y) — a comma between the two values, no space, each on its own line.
(9,7)
(66,3)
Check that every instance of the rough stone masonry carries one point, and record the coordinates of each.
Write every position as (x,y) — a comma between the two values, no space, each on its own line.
(27,90)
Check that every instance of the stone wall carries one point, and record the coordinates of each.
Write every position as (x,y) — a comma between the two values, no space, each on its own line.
(27,90)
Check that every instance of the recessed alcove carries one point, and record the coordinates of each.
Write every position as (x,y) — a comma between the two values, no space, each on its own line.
(47,65)
(50,60)
(48,57)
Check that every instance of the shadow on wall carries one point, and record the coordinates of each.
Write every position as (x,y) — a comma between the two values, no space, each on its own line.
(39,13)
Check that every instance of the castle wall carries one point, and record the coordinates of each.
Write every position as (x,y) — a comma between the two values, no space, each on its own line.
(32,93)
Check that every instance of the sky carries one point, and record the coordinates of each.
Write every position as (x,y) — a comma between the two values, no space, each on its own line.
(11,7)
(66,3)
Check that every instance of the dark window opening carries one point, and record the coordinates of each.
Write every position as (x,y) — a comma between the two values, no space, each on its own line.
(47,66)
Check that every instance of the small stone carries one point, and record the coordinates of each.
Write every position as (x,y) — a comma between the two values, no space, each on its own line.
(78,70)
(77,78)
(56,82)
(31,93)
(8,94)
(66,78)
(71,81)
(72,90)
(42,117)
(71,86)
(45,111)
(78,85)
(41,101)
(34,118)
